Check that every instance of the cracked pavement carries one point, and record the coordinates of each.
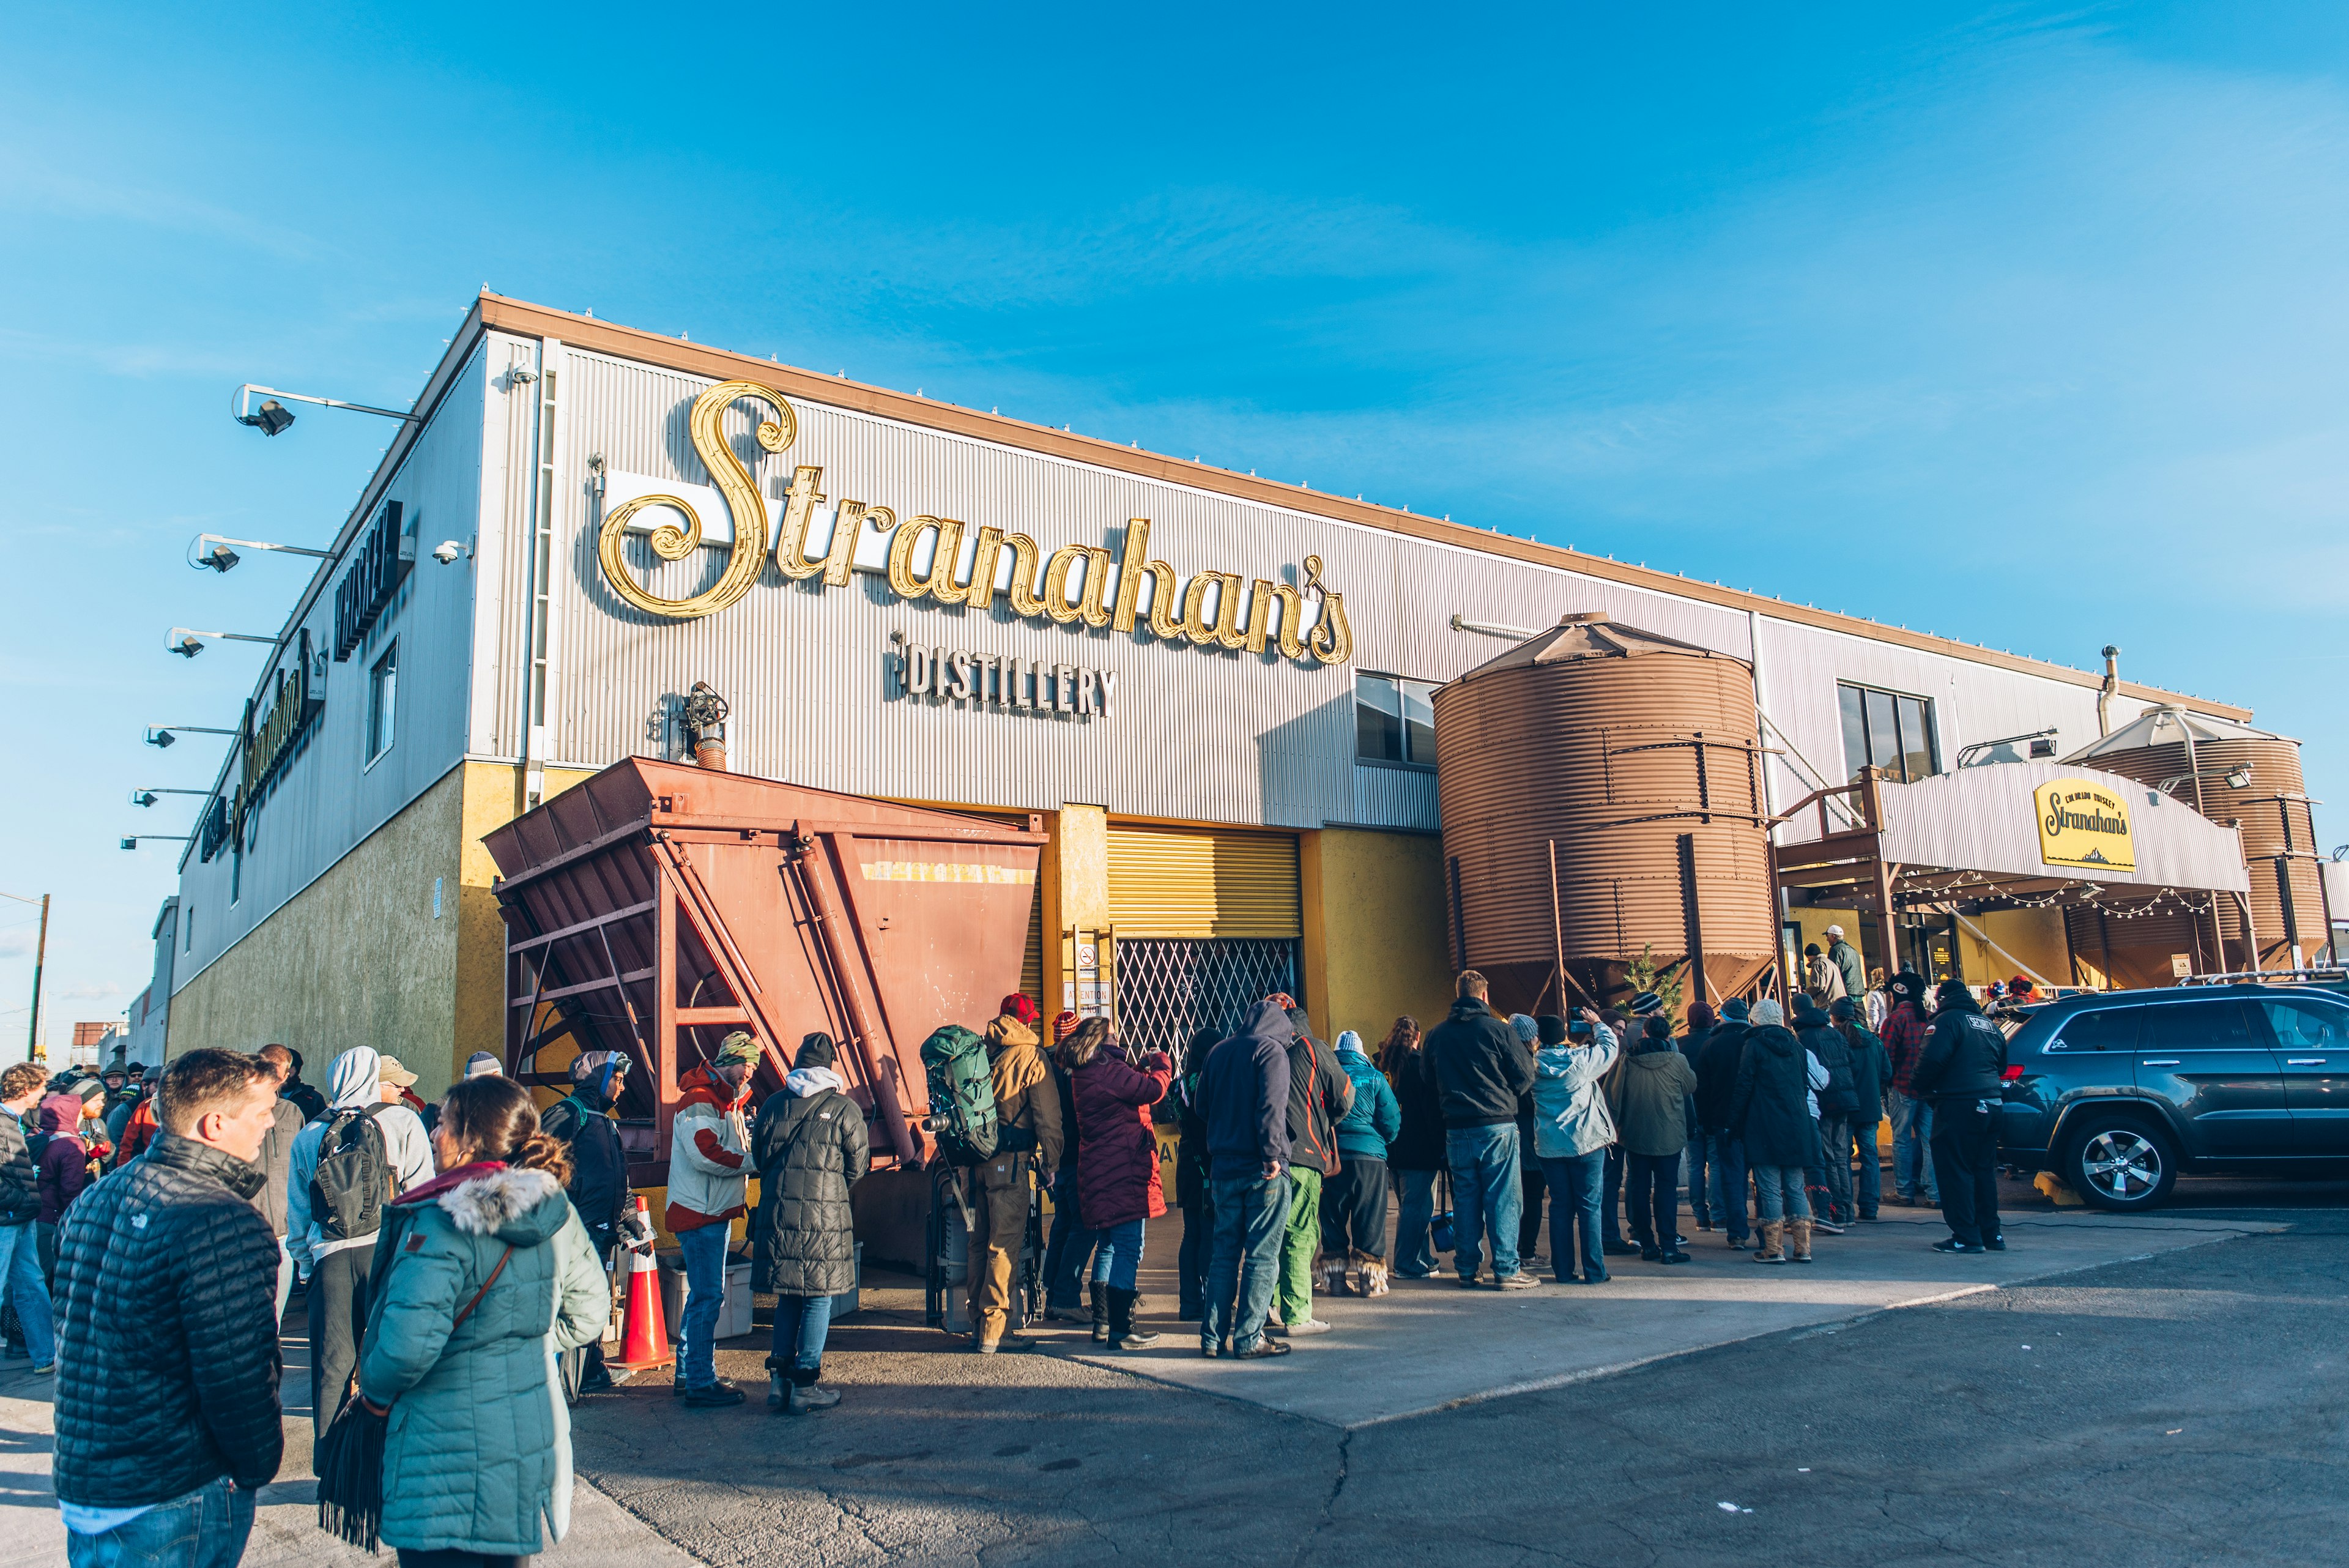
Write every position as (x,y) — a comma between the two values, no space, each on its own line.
(2187,1407)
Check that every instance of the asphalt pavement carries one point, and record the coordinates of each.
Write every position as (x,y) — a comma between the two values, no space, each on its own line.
(2178,1405)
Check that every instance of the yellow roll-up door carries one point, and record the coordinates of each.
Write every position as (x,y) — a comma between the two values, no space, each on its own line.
(1201,882)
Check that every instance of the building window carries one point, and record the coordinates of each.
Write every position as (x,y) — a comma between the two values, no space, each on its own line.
(383,694)
(1887,731)
(188,928)
(1395,720)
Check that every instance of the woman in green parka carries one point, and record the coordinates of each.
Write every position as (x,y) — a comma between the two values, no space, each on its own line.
(477,1449)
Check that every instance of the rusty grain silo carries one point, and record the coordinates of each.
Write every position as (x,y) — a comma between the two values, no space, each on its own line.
(1601,798)
(2233,774)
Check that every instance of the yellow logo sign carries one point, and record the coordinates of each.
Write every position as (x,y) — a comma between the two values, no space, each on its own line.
(2085,824)
(1206,610)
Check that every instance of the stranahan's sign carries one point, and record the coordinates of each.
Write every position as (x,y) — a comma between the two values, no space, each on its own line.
(2085,824)
(926,556)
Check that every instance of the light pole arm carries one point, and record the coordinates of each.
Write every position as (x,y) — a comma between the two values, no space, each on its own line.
(204,539)
(241,403)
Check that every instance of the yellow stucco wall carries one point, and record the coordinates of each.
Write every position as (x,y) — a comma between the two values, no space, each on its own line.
(491,799)
(355,959)
(1374,936)
(1074,876)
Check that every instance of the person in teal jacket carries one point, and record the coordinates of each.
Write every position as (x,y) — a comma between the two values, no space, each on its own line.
(1354,1200)
(477,1450)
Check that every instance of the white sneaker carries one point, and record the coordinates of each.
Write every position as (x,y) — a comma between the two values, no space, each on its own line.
(1310,1325)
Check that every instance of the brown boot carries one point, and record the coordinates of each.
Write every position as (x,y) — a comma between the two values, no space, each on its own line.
(1774,1232)
(1798,1235)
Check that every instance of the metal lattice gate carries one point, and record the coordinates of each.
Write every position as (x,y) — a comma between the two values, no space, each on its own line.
(1170,987)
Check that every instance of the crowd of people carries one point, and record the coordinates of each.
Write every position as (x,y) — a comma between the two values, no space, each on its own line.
(453,1254)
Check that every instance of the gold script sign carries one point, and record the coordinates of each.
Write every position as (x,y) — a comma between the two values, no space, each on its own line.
(1233,620)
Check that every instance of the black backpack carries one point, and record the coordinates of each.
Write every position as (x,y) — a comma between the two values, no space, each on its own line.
(353,1181)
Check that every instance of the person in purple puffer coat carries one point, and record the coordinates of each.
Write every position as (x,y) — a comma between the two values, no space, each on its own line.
(1117,1162)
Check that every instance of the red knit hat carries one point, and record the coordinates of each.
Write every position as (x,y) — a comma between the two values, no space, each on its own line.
(1063,1026)
(1019,1006)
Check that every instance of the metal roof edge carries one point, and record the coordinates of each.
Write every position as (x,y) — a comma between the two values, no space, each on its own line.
(522,317)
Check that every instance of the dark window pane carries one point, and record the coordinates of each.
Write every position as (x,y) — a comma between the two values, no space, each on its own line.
(2174,1026)
(1916,738)
(1378,718)
(1883,735)
(1855,732)
(2107,1028)
(1419,721)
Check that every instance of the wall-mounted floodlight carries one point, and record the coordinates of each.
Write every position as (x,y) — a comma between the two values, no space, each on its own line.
(2239,777)
(220,557)
(187,643)
(273,418)
(148,797)
(136,839)
(2041,747)
(169,734)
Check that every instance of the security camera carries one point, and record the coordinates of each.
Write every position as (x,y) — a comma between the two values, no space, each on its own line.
(446,551)
(273,418)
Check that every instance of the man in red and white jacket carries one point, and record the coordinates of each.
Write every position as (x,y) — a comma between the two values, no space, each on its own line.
(708,1178)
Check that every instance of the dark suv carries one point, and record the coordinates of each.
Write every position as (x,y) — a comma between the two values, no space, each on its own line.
(2119,1092)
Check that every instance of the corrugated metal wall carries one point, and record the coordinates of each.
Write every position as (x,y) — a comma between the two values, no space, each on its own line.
(1174,882)
(328,797)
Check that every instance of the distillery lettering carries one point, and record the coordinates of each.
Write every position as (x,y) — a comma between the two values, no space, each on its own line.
(988,679)
(1214,608)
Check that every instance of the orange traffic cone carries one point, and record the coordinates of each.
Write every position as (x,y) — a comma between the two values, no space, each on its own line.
(643,1336)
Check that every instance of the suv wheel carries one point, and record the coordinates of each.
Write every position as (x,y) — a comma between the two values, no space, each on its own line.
(2125,1165)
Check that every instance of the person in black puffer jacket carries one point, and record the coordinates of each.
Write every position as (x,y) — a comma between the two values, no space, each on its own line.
(1192,1193)
(1962,1072)
(1716,1086)
(1770,1110)
(810,1146)
(167,1351)
(1416,1154)
(1828,1187)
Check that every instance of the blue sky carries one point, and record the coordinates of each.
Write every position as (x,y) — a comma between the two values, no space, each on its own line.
(2019,323)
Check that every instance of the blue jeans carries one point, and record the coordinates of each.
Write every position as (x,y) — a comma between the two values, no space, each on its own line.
(1071,1246)
(1485,1196)
(1912,1140)
(801,1323)
(1251,1216)
(1698,1155)
(1575,1182)
(205,1527)
(705,1293)
(1729,1183)
(1652,1195)
(1858,1155)
(1118,1261)
(1778,1194)
(1610,1210)
(1415,1253)
(20,1279)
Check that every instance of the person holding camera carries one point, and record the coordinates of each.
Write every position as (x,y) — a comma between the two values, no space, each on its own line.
(1572,1131)
(1117,1164)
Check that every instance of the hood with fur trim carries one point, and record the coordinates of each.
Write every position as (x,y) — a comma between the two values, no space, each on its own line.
(507,1203)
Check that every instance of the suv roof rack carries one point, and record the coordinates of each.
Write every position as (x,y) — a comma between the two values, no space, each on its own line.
(2334,972)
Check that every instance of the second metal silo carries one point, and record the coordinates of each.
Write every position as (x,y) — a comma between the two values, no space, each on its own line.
(1601,800)
(2233,774)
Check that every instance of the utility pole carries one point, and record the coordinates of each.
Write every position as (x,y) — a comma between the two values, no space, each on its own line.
(40,957)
